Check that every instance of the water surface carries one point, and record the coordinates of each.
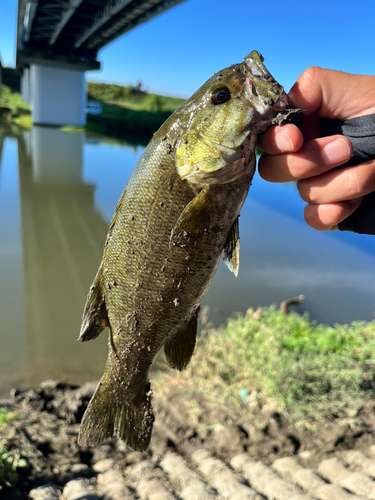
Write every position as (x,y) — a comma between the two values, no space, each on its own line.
(57,195)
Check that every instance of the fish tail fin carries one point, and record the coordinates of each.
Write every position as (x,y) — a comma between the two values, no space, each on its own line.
(95,316)
(110,415)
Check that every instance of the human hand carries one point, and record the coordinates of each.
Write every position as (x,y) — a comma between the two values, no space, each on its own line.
(305,156)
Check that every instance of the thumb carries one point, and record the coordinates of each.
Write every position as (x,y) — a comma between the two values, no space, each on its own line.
(334,94)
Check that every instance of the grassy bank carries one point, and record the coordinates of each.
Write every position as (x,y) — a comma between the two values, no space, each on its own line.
(310,370)
(13,108)
(126,111)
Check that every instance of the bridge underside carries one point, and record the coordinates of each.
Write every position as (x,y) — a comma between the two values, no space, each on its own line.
(67,35)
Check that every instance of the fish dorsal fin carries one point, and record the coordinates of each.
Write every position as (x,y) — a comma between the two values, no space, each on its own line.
(195,218)
(231,251)
(179,349)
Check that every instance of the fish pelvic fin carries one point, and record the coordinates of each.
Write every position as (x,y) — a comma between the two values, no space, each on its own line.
(231,252)
(108,416)
(95,316)
(179,349)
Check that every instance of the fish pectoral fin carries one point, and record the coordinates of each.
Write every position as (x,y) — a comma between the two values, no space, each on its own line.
(231,251)
(108,414)
(95,316)
(179,349)
(195,219)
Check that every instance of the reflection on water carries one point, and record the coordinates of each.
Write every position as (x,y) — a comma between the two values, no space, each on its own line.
(57,195)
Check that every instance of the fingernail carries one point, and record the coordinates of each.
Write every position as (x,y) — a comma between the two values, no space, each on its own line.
(336,152)
(283,141)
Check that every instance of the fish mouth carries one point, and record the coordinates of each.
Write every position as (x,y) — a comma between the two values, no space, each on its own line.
(266,94)
(261,86)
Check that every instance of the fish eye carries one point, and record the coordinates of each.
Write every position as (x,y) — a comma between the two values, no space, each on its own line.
(220,95)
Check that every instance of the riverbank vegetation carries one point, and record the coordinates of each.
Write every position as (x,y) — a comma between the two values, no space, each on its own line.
(126,112)
(309,370)
(13,108)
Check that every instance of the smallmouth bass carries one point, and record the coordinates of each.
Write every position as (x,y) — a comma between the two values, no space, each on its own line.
(177,215)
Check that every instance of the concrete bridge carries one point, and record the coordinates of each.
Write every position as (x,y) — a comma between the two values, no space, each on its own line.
(58,40)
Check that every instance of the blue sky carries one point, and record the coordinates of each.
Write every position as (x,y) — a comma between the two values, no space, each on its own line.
(176,52)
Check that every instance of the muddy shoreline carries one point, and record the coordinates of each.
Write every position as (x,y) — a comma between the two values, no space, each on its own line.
(183,433)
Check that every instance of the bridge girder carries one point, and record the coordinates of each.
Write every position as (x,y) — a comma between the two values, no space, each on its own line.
(57,30)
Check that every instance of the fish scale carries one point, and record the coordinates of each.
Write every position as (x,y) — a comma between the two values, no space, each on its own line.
(177,216)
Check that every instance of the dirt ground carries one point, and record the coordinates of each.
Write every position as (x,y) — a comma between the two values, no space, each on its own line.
(197,451)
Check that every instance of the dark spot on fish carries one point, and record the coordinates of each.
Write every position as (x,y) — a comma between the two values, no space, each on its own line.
(242,146)
(190,270)
(163,269)
(161,204)
(185,141)
(216,229)
(176,301)
(93,287)
(164,138)
(243,156)
(209,258)
(169,149)
(130,217)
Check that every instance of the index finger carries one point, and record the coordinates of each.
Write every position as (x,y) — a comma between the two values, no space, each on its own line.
(278,140)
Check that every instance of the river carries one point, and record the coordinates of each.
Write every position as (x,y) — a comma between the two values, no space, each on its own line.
(57,195)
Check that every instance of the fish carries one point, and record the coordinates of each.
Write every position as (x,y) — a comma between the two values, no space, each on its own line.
(177,216)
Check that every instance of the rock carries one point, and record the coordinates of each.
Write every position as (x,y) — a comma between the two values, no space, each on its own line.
(112,486)
(79,471)
(79,489)
(104,465)
(46,492)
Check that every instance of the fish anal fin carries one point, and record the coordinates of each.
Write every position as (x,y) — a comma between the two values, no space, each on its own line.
(179,349)
(95,316)
(195,220)
(109,415)
(231,251)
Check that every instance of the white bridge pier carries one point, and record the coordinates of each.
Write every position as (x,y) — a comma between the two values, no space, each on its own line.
(57,95)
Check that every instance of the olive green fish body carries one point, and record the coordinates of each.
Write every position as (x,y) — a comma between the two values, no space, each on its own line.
(178,213)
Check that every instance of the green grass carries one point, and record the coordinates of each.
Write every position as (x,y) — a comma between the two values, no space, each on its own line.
(130,98)
(311,370)
(7,416)
(12,100)
(128,113)
(11,462)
